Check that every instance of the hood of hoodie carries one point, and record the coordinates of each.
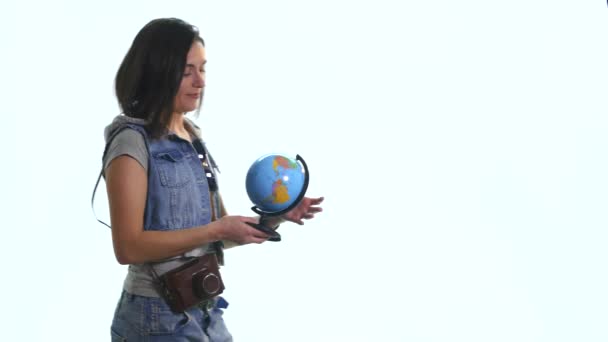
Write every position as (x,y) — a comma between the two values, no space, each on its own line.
(122,120)
(118,122)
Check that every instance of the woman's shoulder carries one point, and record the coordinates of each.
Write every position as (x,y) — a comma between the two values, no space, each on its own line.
(130,142)
(129,136)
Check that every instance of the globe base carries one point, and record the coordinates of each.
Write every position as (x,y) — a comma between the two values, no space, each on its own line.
(274,235)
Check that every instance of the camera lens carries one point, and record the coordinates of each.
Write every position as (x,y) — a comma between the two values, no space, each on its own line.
(211,283)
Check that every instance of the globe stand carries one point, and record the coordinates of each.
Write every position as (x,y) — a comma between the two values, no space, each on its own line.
(274,235)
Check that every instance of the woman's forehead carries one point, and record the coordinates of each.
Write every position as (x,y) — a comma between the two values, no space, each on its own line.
(196,53)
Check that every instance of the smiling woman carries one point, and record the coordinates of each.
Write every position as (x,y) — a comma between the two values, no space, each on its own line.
(168,219)
(162,73)
(191,88)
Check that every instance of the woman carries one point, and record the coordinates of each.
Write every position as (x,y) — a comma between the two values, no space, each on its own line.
(161,196)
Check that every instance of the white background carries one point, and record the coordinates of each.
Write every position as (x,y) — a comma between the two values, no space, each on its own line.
(460,145)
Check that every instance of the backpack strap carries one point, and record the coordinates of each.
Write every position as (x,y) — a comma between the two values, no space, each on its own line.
(93,199)
(105,150)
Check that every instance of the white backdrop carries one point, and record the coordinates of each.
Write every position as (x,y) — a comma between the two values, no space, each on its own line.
(461,147)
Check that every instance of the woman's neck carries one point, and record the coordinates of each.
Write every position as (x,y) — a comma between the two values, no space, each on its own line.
(177,126)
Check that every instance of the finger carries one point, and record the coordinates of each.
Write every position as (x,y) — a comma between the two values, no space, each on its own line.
(318,200)
(308,216)
(258,240)
(315,209)
(256,233)
(249,219)
(261,236)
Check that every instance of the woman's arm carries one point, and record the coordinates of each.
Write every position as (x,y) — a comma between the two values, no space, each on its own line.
(305,210)
(227,244)
(127,184)
(272,222)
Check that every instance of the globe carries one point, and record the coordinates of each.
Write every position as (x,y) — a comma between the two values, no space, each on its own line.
(276,183)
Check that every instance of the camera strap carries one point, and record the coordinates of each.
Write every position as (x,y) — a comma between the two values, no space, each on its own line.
(210,167)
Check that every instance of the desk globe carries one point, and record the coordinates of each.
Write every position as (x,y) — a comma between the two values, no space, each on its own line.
(276,184)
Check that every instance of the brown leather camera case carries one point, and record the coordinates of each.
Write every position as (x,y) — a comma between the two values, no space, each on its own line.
(196,281)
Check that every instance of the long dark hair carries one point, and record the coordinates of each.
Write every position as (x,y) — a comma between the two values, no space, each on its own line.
(151,72)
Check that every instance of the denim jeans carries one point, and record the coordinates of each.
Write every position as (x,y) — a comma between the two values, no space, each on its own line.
(150,319)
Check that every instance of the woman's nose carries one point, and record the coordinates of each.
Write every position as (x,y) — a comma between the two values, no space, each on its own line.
(199,80)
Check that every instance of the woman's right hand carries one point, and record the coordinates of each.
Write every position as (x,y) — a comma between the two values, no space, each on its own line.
(236,229)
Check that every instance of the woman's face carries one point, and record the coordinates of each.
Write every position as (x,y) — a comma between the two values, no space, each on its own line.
(190,91)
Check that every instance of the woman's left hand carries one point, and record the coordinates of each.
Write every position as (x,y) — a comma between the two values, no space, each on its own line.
(306,210)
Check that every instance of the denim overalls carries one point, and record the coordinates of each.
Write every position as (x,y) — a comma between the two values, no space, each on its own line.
(178,198)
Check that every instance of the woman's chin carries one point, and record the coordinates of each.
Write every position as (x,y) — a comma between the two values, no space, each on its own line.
(187,109)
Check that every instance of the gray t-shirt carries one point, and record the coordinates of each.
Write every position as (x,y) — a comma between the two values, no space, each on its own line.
(128,142)
(139,280)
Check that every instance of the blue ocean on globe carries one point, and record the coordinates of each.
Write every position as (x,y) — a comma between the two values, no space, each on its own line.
(274,182)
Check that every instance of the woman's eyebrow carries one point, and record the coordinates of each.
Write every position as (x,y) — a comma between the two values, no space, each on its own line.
(192,65)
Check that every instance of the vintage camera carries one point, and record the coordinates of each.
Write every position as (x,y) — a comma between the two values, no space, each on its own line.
(195,281)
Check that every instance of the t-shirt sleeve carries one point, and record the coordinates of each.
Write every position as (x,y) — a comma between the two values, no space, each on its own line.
(128,142)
